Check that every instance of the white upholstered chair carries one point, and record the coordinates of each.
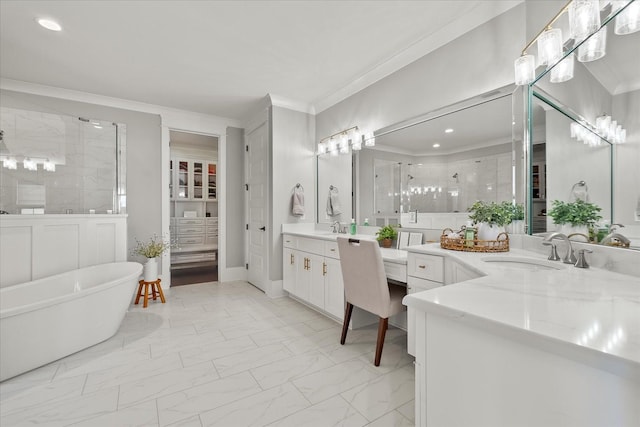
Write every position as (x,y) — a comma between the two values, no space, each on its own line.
(366,287)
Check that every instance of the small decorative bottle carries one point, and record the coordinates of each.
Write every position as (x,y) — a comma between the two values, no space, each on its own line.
(366,222)
(352,228)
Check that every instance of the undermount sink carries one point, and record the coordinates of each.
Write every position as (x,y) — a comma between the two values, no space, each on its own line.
(523,263)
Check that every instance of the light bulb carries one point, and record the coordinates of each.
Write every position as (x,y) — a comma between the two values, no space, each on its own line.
(594,47)
(550,47)
(563,71)
(525,69)
(322,148)
(584,18)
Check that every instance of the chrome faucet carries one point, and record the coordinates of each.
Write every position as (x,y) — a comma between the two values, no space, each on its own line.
(569,257)
(335,226)
(615,239)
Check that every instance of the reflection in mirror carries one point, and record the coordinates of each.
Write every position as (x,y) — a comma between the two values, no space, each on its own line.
(566,168)
(427,171)
(608,86)
(334,190)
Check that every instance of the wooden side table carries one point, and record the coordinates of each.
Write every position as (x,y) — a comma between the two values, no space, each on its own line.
(156,290)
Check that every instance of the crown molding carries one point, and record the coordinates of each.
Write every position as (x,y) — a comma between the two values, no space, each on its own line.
(291,104)
(107,101)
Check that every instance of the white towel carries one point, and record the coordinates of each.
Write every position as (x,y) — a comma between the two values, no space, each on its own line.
(297,201)
(333,202)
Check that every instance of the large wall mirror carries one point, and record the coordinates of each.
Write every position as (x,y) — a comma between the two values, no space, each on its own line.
(427,171)
(570,158)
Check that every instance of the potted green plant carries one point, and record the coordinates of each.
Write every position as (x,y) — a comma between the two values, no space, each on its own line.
(575,217)
(491,218)
(386,235)
(151,250)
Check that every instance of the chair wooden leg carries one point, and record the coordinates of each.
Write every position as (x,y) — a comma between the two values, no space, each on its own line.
(382,331)
(345,325)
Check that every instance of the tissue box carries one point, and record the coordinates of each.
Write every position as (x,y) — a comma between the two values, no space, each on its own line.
(190,214)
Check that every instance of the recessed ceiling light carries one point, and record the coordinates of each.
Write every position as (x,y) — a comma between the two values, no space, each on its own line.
(49,24)
(436,145)
(448,130)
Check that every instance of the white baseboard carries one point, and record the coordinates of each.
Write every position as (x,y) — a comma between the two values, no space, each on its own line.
(275,290)
(232,274)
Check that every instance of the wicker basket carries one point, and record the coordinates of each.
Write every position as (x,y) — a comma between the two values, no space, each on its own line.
(460,244)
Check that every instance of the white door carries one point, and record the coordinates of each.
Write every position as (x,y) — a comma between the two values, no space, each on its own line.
(257,200)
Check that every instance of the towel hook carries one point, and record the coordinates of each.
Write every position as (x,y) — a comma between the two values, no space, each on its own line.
(298,185)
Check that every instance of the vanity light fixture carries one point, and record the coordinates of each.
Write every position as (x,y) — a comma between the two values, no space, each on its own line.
(49,24)
(584,24)
(342,142)
(29,164)
(10,163)
(49,166)
(369,140)
(611,129)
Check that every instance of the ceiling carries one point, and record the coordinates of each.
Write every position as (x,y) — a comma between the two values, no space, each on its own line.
(223,57)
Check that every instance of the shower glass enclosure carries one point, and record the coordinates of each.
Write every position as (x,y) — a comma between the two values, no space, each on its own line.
(59,164)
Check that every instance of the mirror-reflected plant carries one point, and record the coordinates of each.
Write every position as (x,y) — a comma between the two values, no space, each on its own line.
(575,213)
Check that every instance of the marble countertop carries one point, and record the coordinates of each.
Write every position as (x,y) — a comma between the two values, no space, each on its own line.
(388,254)
(591,315)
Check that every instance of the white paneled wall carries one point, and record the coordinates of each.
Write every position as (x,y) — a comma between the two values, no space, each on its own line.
(36,246)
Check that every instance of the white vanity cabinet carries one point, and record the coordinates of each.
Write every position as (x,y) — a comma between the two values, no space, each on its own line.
(311,273)
(426,271)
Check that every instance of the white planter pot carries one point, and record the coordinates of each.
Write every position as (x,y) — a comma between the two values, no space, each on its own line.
(516,227)
(150,270)
(489,231)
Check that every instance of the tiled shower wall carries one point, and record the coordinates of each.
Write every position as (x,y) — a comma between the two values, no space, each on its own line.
(84,154)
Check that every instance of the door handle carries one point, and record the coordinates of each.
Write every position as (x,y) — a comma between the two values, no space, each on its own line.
(291,258)
(263,228)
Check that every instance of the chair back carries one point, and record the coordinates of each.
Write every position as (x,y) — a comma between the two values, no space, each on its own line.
(365,281)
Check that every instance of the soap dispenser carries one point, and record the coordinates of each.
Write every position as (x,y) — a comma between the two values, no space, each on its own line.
(352,228)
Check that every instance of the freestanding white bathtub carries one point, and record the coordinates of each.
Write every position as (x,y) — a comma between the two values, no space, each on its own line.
(50,318)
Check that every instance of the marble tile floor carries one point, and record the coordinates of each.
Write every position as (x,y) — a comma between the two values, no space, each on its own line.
(220,354)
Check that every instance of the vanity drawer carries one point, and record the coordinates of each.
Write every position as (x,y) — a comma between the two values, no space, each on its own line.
(195,229)
(289,241)
(331,250)
(190,221)
(430,267)
(313,246)
(190,240)
(396,271)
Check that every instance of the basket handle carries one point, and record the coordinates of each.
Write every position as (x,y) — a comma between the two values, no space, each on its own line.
(506,236)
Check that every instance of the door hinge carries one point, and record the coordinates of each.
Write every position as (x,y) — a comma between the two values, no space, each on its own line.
(246,266)
(246,187)
(247,226)
(246,148)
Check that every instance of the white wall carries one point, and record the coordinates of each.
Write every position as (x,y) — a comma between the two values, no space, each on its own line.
(293,162)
